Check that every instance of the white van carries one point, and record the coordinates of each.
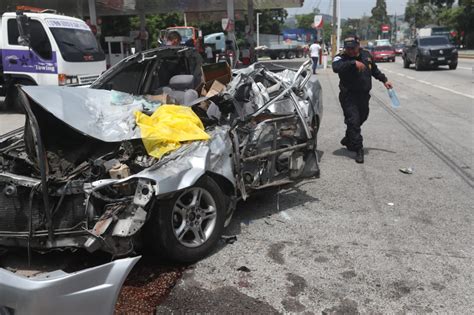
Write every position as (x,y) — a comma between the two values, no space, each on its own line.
(47,49)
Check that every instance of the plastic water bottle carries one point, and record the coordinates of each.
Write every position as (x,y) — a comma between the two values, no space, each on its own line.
(393,98)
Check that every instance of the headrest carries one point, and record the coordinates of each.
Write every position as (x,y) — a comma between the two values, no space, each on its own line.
(182,82)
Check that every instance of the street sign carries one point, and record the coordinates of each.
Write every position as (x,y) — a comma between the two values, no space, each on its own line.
(227,24)
(318,22)
(385,28)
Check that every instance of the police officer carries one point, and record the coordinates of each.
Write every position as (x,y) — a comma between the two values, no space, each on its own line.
(355,68)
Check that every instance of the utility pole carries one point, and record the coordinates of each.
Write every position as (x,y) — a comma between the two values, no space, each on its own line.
(338,37)
(334,29)
(250,38)
(258,28)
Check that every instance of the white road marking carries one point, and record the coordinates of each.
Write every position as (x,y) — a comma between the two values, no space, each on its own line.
(465,68)
(433,85)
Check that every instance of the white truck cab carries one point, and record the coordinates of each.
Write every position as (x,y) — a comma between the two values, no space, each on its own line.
(47,49)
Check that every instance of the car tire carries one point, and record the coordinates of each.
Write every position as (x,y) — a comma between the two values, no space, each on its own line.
(174,218)
(406,63)
(453,66)
(418,66)
(281,55)
(299,54)
(273,57)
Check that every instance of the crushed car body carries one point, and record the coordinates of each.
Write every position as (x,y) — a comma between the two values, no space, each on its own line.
(78,174)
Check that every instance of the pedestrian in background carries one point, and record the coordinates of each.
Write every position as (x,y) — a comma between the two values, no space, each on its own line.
(314,53)
(173,39)
(209,54)
(305,51)
(356,68)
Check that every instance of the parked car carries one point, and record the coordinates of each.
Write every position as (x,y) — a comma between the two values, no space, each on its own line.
(398,48)
(430,52)
(383,53)
(78,174)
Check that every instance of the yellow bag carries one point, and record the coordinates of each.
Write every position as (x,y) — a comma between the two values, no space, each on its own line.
(169,125)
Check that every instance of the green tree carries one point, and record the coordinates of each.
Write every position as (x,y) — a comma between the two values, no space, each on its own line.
(419,14)
(272,21)
(379,16)
(350,27)
(155,23)
(304,20)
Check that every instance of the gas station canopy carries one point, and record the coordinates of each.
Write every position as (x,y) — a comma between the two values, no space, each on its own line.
(135,7)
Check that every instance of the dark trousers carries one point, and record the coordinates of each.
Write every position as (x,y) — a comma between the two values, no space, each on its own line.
(315,63)
(356,110)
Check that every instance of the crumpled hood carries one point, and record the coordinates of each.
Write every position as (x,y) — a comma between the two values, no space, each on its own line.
(90,111)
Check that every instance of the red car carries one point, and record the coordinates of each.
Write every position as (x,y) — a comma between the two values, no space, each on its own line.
(383,53)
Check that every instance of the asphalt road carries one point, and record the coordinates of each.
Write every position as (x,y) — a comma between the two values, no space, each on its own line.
(362,238)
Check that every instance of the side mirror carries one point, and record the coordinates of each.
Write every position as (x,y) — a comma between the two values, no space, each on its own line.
(23,23)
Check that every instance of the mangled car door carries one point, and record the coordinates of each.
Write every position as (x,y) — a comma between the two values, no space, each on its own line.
(275,128)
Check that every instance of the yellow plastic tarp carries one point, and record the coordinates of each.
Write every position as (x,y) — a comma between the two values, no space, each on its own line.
(167,127)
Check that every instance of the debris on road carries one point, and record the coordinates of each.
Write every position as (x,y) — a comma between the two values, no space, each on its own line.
(243,269)
(390,203)
(147,286)
(231,239)
(407,170)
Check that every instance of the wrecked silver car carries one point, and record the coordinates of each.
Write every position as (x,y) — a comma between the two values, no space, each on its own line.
(78,175)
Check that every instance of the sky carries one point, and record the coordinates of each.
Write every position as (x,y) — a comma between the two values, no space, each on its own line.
(349,8)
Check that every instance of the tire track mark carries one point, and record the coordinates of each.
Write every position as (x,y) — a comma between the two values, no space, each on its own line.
(453,165)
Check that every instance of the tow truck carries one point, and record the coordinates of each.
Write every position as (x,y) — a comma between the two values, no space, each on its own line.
(189,34)
(40,47)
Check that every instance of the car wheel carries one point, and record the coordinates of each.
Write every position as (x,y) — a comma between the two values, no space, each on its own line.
(453,66)
(299,54)
(418,66)
(282,55)
(186,227)
(406,64)
(290,55)
(273,57)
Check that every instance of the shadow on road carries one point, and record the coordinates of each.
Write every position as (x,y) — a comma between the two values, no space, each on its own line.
(266,204)
(346,153)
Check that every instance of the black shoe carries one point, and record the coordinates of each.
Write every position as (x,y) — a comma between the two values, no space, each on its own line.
(360,156)
(345,141)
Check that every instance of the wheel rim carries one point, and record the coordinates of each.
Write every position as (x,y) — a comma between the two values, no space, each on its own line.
(194,217)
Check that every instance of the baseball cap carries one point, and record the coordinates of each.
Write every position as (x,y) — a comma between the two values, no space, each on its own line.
(351,42)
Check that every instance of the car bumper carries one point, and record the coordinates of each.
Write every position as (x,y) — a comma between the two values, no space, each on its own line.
(90,291)
(383,58)
(438,61)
